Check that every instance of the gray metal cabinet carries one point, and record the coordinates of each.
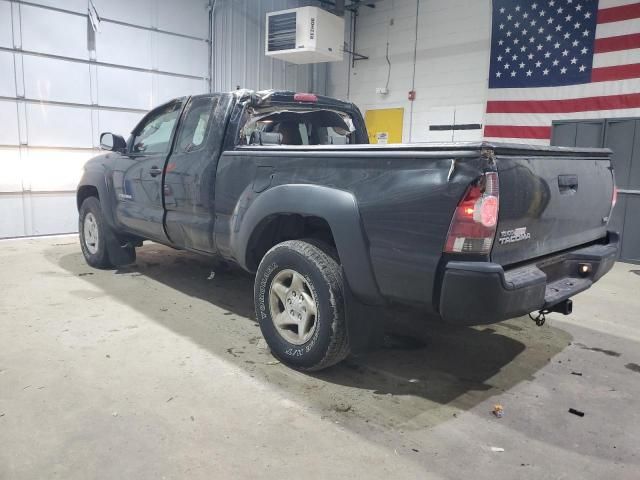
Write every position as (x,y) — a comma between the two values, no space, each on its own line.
(622,135)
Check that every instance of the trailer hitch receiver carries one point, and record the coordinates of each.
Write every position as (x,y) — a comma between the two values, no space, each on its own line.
(565,307)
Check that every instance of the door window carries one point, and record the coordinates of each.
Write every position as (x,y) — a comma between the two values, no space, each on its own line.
(154,134)
(193,132)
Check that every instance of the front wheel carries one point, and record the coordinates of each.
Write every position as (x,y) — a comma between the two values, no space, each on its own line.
(92,231)
(299,300)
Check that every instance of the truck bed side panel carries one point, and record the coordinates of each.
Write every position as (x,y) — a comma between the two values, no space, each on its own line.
(406,201)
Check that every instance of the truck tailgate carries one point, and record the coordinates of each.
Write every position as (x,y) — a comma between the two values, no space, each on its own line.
(551,200)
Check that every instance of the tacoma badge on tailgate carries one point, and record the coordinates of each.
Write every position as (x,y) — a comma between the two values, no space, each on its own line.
(512,236)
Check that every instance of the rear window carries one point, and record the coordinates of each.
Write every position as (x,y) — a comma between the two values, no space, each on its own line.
(298,127)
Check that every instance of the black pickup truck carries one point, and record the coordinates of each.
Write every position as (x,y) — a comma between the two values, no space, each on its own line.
(285,185)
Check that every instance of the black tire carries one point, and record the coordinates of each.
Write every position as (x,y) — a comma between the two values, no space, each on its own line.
(329,343)
(99,258)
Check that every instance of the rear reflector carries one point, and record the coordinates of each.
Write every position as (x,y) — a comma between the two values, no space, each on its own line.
(474,222)
(305,97)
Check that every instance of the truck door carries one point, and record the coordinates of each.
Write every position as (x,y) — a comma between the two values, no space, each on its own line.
(139,193)
(191,173)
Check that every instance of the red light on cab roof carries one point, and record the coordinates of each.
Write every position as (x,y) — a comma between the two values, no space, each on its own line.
(305,97)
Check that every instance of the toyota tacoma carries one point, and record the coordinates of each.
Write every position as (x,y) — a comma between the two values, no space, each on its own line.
(286,186)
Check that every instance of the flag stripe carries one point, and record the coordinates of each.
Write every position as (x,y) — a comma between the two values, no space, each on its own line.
(537,120)
(611,59)
(599,89)
(627,27)
(615,44)
(611,102)
(614,3)
(618,72)
(517,131)
(618,14)
(530,141)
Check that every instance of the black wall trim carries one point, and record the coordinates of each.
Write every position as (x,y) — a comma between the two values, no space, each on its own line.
(462,126)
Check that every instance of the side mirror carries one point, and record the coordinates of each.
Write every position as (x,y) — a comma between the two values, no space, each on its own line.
(112,142)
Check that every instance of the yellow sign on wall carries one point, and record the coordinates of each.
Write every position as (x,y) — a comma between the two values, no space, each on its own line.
(384,125)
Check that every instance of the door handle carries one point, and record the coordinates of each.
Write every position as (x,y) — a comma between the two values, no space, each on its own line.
(155,171)
(568,184)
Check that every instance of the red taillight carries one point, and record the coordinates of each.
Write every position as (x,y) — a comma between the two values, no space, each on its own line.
(305,97)
(474,222)
(488,211)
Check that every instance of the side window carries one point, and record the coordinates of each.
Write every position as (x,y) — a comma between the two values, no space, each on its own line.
(193,132)
(154,136)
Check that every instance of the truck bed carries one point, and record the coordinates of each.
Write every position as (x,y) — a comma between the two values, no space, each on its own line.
(407,194)
(560,196)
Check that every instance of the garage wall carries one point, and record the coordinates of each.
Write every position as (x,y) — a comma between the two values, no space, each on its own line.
(60,86)
(452,46)
(239,59)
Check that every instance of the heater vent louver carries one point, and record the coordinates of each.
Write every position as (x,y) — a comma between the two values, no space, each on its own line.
(282,32)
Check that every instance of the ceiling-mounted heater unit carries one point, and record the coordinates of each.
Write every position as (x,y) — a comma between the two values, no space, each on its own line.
(304,35)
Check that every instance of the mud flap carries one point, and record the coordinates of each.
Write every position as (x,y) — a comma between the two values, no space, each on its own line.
(365,324)
(119,255)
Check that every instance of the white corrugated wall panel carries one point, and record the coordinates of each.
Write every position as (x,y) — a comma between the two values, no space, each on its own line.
(58,126)
(168,87)
(53,212)
(12,216)
(118,87)
(184,17)
(114,44)
(52,32)
(9,120)
(11,178)
(170,55)
(79,6)
(6,39)
(56,80)
(55,170)
(138,12)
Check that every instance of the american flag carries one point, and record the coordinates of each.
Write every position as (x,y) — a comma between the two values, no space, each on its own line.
(560,60)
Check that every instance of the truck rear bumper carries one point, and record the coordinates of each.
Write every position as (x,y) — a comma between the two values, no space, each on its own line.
(475,293)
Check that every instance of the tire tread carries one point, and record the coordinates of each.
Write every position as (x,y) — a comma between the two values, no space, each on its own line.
(323,257)
(101,258)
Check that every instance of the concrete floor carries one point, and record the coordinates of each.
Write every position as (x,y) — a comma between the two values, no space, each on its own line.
(153,371)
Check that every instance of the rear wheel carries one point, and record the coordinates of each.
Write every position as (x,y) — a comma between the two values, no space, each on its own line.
(299,299)
(93,232)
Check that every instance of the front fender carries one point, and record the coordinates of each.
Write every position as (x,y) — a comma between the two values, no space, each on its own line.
(98,179)
(337,207)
